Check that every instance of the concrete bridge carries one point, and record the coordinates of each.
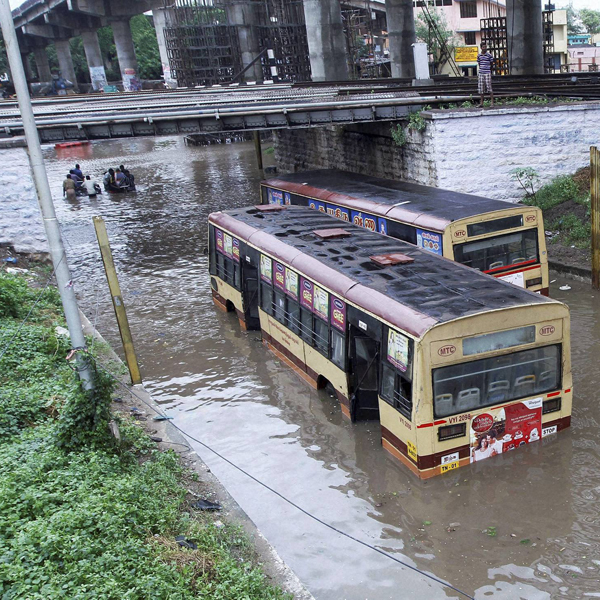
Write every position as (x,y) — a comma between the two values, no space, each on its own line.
(40,22)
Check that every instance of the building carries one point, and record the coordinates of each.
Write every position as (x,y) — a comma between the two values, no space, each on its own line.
(584,58)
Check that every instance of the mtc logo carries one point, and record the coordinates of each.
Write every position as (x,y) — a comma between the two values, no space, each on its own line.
(547,330)
(460,234)
(530,219)
(448,350)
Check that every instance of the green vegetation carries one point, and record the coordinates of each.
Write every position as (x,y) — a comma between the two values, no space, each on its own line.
(565,203)
(83,517)
(436,33)
(398,135)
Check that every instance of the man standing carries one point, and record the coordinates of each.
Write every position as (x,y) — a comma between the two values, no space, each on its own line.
(485,61)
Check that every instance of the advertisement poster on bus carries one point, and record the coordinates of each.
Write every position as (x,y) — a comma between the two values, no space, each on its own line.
(228,245)
(398,349)
(382,226)
(321,302)
(291,283)
(306,298)
(277,197)
(320,206)
(364,220)
(266,268)
(279,273)
(429,241)
(338,212)
(287,198)
(236,250)
(219,238)
(338,313)
(502,430)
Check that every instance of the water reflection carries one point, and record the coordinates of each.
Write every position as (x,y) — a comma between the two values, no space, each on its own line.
(522,525)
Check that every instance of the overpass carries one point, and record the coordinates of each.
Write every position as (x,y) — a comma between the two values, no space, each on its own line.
(255,107)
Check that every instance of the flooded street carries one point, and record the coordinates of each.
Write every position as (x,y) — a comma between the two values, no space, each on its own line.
(523,525)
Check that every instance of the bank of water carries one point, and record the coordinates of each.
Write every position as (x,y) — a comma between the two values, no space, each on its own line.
(222,386)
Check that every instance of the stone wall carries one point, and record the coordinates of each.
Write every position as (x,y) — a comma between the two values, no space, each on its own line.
(466,150)
(20,217)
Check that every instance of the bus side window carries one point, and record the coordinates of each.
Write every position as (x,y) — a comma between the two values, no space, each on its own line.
(338,349)
(266,298)
(402,231)
(321,335)
(236,276)
(293,315)
(211,251)
(306,319)
(396,390)
(279,305)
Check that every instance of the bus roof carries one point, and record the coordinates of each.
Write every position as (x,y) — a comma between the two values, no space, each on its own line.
(414,297)
(436,207)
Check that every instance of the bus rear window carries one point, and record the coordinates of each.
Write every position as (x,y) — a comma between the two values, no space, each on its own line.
(496,225)
(472,385)
(499,253)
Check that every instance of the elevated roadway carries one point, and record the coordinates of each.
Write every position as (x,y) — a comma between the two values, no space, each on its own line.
(276,106)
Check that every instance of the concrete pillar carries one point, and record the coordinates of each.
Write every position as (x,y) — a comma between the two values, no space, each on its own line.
(245,19)
(43,66)
(27,66)
(401,36)
(160,23)
(126,54)
(65,61)
(525,38)
(326,40)
(93,54)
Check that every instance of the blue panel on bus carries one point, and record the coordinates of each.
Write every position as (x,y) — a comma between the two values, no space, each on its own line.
(428,240)
(338,212)
(364,220)
(382,226)
(276,197)
(317,205)
(287,198)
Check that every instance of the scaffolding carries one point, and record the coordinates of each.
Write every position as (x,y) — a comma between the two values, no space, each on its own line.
(203,45)
(494,34)
(548,33)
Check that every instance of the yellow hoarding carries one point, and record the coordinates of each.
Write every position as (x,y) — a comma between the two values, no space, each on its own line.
(466,54)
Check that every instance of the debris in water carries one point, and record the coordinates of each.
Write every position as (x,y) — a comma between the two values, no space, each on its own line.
(564,288)
(426,522)
(525,541)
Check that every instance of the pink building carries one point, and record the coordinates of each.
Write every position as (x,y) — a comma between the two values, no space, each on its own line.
(583,58)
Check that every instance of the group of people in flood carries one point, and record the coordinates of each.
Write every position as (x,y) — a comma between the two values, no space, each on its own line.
(78,184)
(115,180)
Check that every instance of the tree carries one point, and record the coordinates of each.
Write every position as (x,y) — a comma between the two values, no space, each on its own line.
(590,19)
(146,48)
(573,23)
(433,29)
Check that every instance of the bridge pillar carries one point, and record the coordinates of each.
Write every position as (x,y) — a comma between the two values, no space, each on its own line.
(43,66)
(126,54)
(326,40)
(245,19)
(160,23)
(525,38)
(401,37)
(65,61)
(93,54)
(27,66)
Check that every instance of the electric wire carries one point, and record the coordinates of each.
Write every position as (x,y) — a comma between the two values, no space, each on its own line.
(284,498)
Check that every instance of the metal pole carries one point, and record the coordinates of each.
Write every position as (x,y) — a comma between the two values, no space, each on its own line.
(258,149)
(117,300)
(40,178)
(595,206)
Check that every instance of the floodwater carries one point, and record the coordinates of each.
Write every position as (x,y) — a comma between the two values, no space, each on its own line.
(220,385)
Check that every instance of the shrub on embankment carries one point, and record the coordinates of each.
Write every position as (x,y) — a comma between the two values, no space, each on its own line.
(80,516)
(565,203)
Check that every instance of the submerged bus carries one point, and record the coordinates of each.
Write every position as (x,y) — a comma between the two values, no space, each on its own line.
(499,238)
(457,366)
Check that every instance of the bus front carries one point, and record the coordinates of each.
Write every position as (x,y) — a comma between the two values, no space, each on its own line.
(508,244)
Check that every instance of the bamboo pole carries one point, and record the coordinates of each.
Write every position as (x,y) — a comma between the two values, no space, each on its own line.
(117,300)
(258,150)
(595,207)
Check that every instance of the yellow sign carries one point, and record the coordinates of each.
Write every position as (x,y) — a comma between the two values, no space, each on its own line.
(450,466)
(466,54)
(412,450)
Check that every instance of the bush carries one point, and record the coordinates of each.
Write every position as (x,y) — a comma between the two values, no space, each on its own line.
(559,190)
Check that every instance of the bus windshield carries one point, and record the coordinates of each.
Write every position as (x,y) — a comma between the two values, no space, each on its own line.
(500,252)
(469,386)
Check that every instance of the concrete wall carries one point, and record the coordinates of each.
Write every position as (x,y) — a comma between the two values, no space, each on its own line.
(20,217)
(466,150)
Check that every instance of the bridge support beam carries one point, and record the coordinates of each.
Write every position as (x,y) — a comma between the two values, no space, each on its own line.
(42,64)
(326,41)
(245,19)
(65,61)
(27,66)
(93,54)
(126,54)
(525,39)
(160,23)
(401,36)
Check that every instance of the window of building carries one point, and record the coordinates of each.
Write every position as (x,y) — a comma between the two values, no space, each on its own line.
(468,10)
(470,38)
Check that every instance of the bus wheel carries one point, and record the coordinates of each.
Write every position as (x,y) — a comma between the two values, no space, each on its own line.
(229,306)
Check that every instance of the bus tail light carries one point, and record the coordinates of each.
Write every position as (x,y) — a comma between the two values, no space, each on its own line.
(552,405)
(532,282)
(452,431)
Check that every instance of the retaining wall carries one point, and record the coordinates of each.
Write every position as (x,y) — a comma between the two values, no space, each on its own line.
(466,150)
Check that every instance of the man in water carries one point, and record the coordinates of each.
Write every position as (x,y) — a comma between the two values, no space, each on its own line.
(77,170)
(485,62)
(69,188)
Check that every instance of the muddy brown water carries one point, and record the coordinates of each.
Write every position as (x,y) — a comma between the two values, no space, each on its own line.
(224,388)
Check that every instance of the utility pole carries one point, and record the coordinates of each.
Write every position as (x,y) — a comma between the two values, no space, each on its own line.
(40,178)
(595,207)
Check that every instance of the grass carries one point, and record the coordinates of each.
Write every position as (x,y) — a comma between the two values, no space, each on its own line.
(93,519)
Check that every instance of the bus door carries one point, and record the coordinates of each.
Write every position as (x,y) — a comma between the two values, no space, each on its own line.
(364,363)
(250,294)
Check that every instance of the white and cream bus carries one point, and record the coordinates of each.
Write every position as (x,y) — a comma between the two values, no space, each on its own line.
(502,239)
(456,365)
